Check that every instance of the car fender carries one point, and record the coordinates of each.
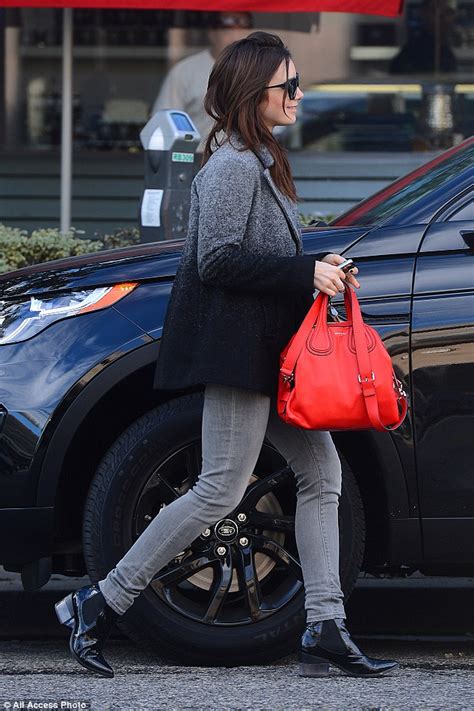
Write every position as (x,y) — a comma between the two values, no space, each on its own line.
(91,392)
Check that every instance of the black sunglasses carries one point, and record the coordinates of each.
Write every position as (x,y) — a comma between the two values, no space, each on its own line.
(291,85)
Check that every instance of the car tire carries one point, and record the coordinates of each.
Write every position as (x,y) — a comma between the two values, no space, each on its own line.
(160,454)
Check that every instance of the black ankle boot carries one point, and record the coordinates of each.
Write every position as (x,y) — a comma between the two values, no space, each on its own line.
(91,620)
(329,642)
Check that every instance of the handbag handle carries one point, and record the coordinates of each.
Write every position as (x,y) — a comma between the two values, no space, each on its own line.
(366,376)
(299,339)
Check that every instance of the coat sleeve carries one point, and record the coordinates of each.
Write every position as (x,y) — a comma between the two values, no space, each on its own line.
(225,202)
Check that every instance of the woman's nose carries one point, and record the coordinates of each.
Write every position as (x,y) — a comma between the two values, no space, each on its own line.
(299,94)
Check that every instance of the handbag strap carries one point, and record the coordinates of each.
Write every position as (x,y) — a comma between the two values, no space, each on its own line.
(366,376)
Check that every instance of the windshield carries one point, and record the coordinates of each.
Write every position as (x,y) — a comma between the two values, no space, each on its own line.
(407,190)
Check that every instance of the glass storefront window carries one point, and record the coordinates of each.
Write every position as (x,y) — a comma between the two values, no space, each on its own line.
(408,86)
(371,83)
(119,59)
(383,116)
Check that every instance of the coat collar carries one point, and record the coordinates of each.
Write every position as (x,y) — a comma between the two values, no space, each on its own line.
(262,152)
(285,203)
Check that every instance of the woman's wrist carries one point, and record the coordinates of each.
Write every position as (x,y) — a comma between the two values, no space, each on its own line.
(317,267)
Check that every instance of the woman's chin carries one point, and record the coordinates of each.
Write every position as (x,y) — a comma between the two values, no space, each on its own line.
(288,121)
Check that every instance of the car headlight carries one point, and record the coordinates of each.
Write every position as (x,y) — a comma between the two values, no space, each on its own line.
(20,320)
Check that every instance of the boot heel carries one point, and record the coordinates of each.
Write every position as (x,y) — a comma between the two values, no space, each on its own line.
(65,611)
(313,666)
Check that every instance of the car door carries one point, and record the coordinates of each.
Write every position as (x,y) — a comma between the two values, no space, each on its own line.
(442,383)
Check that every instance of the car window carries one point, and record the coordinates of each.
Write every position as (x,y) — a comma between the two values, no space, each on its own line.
(466,212)
(407,190)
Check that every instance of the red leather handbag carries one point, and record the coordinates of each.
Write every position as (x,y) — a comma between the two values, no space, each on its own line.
(339,375)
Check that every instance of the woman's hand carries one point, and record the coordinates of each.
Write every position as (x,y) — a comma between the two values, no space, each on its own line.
(329,279)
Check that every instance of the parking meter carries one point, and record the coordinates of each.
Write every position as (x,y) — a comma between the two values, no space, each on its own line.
(170,140)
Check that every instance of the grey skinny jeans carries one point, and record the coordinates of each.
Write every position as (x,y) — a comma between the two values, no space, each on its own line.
(235,423)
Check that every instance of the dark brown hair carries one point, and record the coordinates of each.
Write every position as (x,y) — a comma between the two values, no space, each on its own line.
(236,88)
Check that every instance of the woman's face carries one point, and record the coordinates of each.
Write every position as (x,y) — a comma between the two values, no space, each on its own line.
(272,111)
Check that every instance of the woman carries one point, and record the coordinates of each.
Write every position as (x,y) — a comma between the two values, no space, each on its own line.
(242,288)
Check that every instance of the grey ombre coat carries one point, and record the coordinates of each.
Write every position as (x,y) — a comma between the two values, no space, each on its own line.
(243,284)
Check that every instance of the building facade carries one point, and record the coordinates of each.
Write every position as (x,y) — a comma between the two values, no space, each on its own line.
(373,86)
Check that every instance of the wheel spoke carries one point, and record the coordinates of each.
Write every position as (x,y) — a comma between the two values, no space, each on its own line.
(177,572)
(162,489)
(219,589)
(157,493)
(278,553)
(249,583)
(263,486)
(146,509)
(271,521)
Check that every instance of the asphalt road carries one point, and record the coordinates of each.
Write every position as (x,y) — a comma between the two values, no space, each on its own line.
(430,676)
(427,625)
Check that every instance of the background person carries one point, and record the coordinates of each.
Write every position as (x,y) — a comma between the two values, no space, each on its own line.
(242,287)
(419,52)
(185,84)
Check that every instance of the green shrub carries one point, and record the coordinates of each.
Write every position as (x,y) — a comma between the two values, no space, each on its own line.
(307,219)
(18,249)
(123,237)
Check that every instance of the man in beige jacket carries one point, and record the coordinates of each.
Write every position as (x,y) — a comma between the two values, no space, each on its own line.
(185,84)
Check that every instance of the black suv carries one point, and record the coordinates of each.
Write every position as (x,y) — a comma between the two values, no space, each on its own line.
(90,452)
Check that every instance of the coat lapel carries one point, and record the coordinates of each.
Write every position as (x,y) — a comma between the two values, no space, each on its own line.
(283,202)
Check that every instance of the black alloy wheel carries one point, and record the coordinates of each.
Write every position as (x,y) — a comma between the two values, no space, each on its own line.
(235,595)
(245,567)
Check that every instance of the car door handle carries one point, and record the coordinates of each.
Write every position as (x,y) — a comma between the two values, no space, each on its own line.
(468,237)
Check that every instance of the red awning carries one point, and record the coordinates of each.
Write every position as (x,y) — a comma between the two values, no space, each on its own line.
(389,8)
